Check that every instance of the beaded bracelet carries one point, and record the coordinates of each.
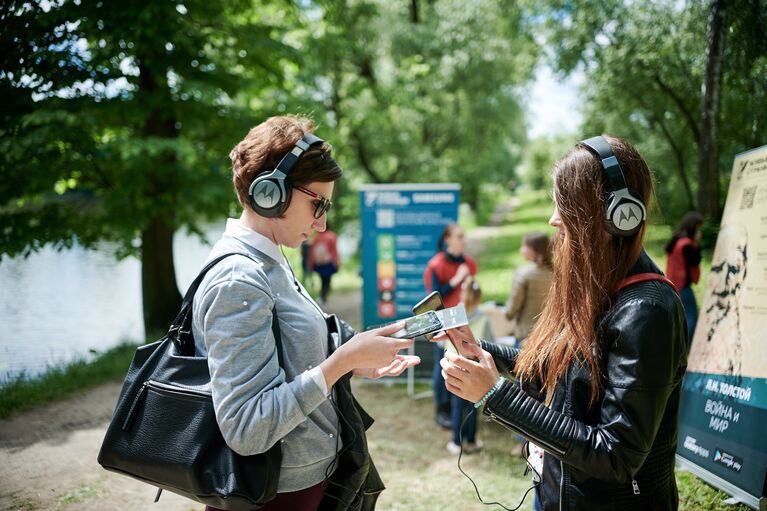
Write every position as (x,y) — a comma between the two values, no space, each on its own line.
(490,392)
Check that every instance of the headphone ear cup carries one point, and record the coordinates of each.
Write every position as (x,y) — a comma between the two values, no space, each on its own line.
(267,197)
(625,214)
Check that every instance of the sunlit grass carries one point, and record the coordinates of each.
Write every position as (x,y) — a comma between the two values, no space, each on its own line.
(22,393)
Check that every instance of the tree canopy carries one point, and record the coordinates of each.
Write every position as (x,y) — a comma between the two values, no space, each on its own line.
(117,120)
(644,66)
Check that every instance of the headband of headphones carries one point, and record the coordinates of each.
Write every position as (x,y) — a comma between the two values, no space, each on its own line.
(624,208)
(290,159)
(613,172)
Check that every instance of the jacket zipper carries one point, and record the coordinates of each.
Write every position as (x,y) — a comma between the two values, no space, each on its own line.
(164,387)
(561,482)
(561,464)
(636,486)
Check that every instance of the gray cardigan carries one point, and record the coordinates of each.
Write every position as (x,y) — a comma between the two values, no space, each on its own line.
(257,403)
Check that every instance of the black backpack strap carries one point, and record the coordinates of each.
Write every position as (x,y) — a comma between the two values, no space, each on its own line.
(181,329)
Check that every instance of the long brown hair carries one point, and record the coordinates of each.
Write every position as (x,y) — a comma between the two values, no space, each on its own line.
(588,264)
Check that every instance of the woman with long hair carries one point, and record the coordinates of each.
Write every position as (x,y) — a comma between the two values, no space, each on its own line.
(598,383)
(683,265)
(531,284)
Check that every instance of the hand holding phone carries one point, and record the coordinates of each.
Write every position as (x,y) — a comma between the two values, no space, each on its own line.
(431,302)
(455,337)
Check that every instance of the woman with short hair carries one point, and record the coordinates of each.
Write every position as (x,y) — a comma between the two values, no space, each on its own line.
(284,178)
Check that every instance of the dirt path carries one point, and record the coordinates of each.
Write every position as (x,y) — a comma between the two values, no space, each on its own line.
(48,455)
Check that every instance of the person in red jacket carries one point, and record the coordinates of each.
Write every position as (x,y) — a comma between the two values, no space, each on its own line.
(683,265)
(323,259)
(445,272)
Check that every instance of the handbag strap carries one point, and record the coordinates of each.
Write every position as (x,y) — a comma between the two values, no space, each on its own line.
(181,329)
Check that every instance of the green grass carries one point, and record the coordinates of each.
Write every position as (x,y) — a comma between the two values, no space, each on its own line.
(500,254)
(408,449)
(23,393)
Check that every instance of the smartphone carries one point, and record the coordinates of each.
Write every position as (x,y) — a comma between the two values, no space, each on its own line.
(422,324)
(449,346)
(431,302)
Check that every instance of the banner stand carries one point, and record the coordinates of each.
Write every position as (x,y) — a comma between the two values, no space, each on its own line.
(723,403)
(738,496)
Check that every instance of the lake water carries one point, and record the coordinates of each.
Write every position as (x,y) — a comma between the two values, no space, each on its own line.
(56,307)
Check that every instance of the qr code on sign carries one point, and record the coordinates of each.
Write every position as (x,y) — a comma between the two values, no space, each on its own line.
(748,198)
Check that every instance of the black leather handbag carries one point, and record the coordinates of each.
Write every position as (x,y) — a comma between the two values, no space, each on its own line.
(164,430)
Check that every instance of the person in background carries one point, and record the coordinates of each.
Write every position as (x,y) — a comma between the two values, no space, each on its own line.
(531,285)
(323,260)
(445,273)
(471,296)
(306,271)
(683,265)
(600,376)
(258,400)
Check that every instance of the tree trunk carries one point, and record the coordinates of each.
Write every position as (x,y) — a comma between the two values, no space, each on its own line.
(161,299)
(708,149)
(158,278)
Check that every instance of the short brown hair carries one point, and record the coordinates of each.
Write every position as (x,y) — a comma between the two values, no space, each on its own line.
(265,145)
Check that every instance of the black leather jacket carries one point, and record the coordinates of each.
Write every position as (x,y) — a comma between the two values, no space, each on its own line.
(617,454)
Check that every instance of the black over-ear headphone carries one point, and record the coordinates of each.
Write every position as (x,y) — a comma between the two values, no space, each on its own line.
(624,209)
(269,194)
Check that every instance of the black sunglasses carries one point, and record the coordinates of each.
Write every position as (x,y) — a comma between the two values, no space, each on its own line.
(321,204)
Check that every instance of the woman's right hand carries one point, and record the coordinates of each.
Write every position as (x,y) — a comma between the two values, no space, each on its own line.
(374,348)
(370,349)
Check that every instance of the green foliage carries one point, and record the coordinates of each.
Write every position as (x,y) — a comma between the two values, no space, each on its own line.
(694,494)
(500,255)
(113,117)
(540,155)
(59,382)
(428,94)
(644,66)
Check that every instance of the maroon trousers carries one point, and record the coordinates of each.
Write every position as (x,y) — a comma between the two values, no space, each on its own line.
(307,499)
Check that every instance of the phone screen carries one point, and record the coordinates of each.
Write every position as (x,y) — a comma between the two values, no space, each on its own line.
(420,323)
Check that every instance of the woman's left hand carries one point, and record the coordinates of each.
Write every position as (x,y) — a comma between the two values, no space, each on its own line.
(466,378)
(397,367)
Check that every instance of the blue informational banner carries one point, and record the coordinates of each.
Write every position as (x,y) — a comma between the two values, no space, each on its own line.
(723,410)
(400,225)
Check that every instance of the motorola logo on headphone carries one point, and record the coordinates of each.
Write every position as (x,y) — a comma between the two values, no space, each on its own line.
(267,194)
(627,217)
(624,208)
